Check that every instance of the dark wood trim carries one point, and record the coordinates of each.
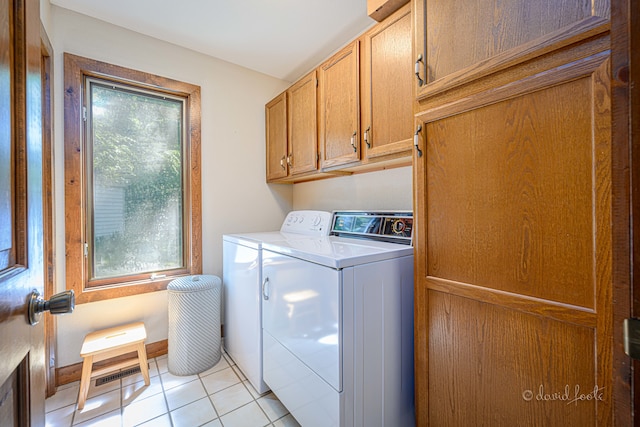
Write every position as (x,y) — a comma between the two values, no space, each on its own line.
(48,208)
(633,25)
(625,98)
(76,68)
(625,192)
(71,373)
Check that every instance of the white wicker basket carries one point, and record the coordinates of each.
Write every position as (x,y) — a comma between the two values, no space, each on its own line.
(194,324)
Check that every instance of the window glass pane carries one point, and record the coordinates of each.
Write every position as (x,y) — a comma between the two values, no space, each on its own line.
(137,190)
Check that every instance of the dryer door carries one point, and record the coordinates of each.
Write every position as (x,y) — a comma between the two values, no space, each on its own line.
(301,309)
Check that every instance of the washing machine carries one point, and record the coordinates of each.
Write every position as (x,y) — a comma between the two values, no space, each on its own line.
(242,287)
(337,316)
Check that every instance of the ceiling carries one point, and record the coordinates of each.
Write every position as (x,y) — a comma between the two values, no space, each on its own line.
(281,38)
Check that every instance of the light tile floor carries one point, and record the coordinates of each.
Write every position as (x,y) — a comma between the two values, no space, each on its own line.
(218,397)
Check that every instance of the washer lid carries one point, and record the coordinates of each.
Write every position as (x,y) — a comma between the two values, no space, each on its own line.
(254,240)
(297,223)
(338,252)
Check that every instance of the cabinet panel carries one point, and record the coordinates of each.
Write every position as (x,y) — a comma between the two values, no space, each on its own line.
(513,196)
(340,107)
(493,211)
(481,37)
(387,91)
(485,367)
(276,130)
(303,129)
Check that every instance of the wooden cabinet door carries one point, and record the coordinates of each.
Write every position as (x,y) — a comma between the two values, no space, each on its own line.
(514,256)
(276,137)
(340,108)
(456,42)
(303,125)
(387,86)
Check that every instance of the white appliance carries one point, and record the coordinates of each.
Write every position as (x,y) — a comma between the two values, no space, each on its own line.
(337,316)
(242,281)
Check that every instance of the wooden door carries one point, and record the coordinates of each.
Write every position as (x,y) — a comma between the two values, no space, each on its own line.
(276,138)
(515,216)
(303,125)
(387,87)
(22,384)
(340,107)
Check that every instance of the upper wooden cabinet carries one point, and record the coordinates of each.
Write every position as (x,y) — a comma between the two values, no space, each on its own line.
(459,42)
(354,113)
(292,132)
(276,136)
(387,91)
(303,128)
(340,108)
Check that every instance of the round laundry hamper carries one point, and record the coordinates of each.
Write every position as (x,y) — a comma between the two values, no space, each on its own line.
(194,324)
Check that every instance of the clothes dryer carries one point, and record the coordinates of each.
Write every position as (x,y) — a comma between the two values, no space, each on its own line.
(337,316)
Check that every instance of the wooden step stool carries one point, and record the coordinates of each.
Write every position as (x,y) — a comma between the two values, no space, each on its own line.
(107,343)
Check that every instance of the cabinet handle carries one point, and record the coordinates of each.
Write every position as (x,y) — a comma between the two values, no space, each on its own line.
(290,160)
(366,137)
(417,70)
(416,140)
(282,163)
(265,295)
(353,141)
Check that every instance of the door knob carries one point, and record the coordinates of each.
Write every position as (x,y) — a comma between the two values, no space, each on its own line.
(61,303)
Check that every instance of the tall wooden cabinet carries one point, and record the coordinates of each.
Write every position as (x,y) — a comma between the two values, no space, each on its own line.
(513,204)
(339,79)
(386,87)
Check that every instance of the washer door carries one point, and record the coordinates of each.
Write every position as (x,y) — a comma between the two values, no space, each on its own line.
(301,309)
(242,327)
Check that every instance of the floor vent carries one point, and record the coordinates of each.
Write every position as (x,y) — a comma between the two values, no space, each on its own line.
(117,375)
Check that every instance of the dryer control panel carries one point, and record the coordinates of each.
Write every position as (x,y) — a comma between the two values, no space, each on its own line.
(396,227)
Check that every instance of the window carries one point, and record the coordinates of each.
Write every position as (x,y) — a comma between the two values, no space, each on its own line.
(132,191)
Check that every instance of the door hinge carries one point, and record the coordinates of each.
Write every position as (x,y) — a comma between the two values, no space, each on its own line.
(86,249)
(631,332)
(84,113)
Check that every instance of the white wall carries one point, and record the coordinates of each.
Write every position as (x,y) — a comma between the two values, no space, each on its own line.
(233,158)
(384,190)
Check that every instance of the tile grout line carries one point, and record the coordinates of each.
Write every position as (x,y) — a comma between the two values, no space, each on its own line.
(164,393)
(218,417)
